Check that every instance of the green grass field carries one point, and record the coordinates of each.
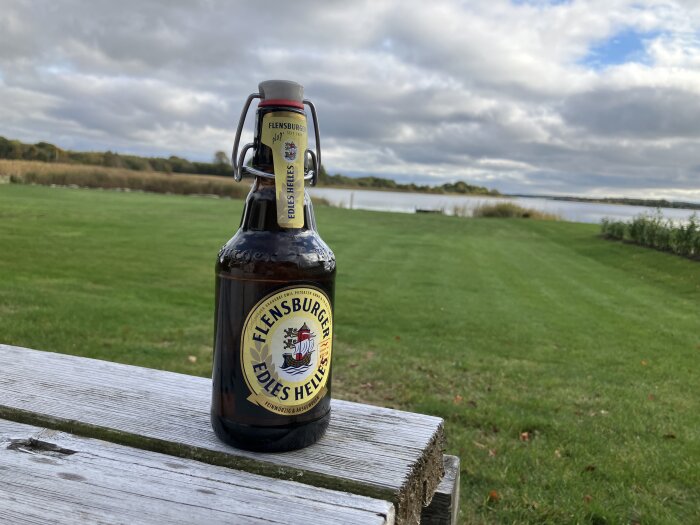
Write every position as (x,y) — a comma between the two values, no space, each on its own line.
(566,367)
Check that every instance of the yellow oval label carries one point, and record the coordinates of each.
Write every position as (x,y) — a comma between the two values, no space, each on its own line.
(286,350)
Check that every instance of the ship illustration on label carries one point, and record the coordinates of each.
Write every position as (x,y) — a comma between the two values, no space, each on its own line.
(301,342)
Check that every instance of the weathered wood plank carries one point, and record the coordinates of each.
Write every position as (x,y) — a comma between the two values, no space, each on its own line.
(47,476)
(444,509)
(377,452)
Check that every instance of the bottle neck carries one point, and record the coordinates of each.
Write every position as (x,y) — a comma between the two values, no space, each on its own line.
(260,213)
(261,205)
(262,154)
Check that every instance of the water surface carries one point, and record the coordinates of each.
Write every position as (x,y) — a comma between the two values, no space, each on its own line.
(405,202)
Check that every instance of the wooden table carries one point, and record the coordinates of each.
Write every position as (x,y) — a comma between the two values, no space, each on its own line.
(83,440)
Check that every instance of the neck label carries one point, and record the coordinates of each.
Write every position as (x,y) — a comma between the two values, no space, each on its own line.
(284,132)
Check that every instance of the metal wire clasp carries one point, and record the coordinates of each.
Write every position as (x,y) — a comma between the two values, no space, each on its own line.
(238,160)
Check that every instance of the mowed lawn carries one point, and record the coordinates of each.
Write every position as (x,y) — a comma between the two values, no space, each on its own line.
(567,367)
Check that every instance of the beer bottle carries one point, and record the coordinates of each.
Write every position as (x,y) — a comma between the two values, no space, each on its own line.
(274,290)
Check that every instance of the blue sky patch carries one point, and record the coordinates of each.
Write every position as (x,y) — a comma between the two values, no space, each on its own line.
(622,47)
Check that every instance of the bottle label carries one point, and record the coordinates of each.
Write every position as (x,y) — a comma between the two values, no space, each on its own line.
(286,350)
(285,134)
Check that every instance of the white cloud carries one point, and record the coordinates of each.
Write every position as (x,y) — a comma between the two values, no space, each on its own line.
(492,92)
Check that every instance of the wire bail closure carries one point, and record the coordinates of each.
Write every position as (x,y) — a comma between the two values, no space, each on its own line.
(237,160)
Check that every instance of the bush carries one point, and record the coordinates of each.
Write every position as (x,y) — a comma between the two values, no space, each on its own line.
(613,229)
(509,209)
(654,231)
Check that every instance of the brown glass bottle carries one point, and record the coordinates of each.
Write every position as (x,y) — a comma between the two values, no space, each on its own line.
(261,260)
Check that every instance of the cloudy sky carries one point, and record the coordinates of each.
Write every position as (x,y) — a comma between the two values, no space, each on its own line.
(596,98)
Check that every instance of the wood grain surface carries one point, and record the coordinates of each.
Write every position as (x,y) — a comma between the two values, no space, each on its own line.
(444,509)
(47,476)
(377,452)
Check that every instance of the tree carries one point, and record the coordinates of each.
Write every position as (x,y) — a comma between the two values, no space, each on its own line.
(112,160)
(221,157)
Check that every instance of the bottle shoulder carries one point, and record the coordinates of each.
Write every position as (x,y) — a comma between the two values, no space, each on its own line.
(283,254)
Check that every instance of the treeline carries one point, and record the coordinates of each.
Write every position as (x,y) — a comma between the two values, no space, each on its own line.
(655,231)
(45,152)
(390,184)
(650,203)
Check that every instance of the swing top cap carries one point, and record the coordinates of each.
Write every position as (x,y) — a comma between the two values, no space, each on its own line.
(281,92)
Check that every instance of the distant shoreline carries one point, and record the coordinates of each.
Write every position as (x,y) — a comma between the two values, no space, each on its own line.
(405,190)
(622,201)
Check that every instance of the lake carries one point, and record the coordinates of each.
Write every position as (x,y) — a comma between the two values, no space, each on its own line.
(403,202)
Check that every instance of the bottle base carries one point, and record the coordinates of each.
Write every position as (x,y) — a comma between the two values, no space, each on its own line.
(270,439)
